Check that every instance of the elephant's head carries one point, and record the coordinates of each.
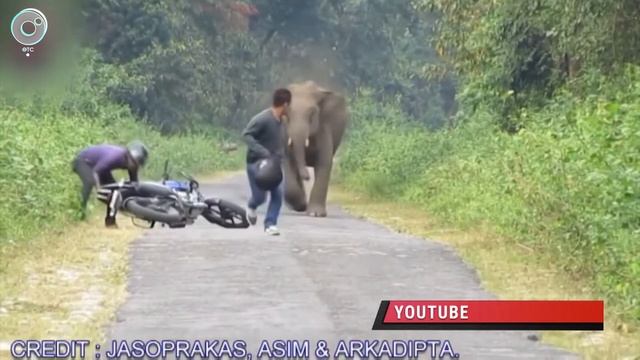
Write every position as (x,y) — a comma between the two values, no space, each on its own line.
(303,122)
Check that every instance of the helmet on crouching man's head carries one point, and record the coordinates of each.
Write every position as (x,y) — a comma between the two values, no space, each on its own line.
(138,152)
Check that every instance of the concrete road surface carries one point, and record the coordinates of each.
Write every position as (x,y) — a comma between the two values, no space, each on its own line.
(323,278)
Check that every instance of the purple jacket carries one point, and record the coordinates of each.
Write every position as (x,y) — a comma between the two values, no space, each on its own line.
(106,158)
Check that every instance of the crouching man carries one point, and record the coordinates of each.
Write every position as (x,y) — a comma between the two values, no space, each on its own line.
(94,165)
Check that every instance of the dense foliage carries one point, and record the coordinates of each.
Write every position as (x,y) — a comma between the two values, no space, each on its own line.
(175,68)
(518,54)
(544,150)
(192,63)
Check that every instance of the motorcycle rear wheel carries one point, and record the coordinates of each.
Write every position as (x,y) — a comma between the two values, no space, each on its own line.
(138,208)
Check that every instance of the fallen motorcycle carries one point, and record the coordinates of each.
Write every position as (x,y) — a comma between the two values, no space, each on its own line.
(172,203)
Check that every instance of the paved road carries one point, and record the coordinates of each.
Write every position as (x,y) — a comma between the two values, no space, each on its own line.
(322,279)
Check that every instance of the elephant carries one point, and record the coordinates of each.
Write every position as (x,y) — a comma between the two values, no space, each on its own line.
(315,123)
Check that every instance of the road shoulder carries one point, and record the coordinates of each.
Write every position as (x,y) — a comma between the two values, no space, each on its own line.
(506,268)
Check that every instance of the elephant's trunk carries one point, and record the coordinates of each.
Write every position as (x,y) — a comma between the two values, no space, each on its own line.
(299,149)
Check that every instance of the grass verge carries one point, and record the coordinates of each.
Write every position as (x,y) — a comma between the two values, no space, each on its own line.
(66,285)
(508,269)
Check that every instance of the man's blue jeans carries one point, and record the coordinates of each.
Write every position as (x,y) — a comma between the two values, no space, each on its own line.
(258,197)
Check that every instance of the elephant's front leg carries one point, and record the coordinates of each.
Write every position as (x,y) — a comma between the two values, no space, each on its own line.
(322,176)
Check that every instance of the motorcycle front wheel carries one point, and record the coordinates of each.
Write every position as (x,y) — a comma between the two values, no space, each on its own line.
(226,214)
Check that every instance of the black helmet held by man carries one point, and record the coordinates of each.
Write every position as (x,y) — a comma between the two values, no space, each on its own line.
(268,173)
(138,152)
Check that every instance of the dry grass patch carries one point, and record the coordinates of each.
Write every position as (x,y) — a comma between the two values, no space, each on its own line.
(66,285)
(506,268)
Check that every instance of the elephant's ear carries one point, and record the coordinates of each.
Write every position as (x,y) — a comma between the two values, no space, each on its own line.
(323,90)
(324,94)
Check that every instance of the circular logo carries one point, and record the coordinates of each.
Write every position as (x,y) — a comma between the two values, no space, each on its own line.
(29,27)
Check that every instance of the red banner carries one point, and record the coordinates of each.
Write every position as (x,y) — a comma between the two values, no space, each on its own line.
(490,315)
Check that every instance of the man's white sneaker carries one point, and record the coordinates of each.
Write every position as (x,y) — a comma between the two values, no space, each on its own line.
(252,217)
(272,230)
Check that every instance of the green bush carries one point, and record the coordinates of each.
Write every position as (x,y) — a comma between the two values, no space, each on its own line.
(568,184)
